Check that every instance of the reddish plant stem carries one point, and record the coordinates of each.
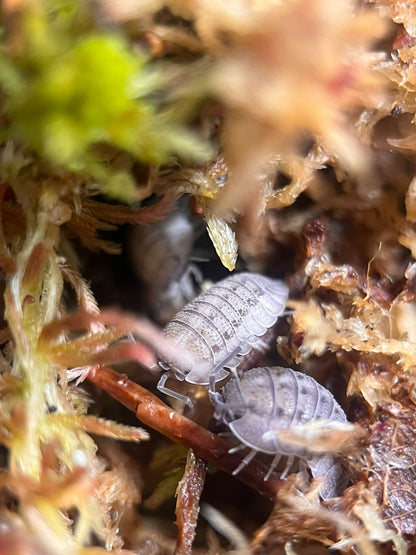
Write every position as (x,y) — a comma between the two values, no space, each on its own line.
(150,410)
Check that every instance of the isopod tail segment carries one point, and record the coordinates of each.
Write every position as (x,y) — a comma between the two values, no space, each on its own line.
(263,401)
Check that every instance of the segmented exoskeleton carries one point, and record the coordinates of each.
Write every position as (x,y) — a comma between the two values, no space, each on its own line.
(220,326)
(160,254)
(262,401)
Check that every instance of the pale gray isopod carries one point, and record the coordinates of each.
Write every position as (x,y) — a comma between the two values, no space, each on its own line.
(263,401)
(220,326)
(160,256)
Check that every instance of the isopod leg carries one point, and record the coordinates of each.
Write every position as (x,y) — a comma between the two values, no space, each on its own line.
(248,458)
(220,407)
(212,383)
(288,466)
(216,398)
(171,393)
(226,434)
(237,448)
(234,372)
(193,272)
(273,465)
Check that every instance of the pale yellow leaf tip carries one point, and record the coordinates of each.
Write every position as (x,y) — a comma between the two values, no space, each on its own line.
(223,239)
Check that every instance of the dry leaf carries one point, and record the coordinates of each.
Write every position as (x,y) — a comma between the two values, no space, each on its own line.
(223,239)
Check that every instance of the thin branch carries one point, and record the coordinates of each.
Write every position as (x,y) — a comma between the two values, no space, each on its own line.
(150,410)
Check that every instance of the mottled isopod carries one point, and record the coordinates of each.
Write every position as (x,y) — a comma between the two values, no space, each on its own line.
(262,401)
(220,326)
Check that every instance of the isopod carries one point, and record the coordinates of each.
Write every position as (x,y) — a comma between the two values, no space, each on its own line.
(160,255)
(220,326)
(262,401)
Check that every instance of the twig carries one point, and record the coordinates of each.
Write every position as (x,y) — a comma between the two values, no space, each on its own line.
(150,410)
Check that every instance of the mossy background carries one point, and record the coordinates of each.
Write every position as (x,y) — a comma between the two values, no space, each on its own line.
(290,127)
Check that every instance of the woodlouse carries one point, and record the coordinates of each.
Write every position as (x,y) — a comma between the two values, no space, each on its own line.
(160,256)
(220,326)
(263,401)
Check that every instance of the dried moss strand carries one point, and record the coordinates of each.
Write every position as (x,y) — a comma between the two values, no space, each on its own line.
(188,495)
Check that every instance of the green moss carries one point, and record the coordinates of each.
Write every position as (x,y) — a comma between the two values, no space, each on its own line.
(70,86)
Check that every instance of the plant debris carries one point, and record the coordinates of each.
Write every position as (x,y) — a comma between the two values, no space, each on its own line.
(288,129)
